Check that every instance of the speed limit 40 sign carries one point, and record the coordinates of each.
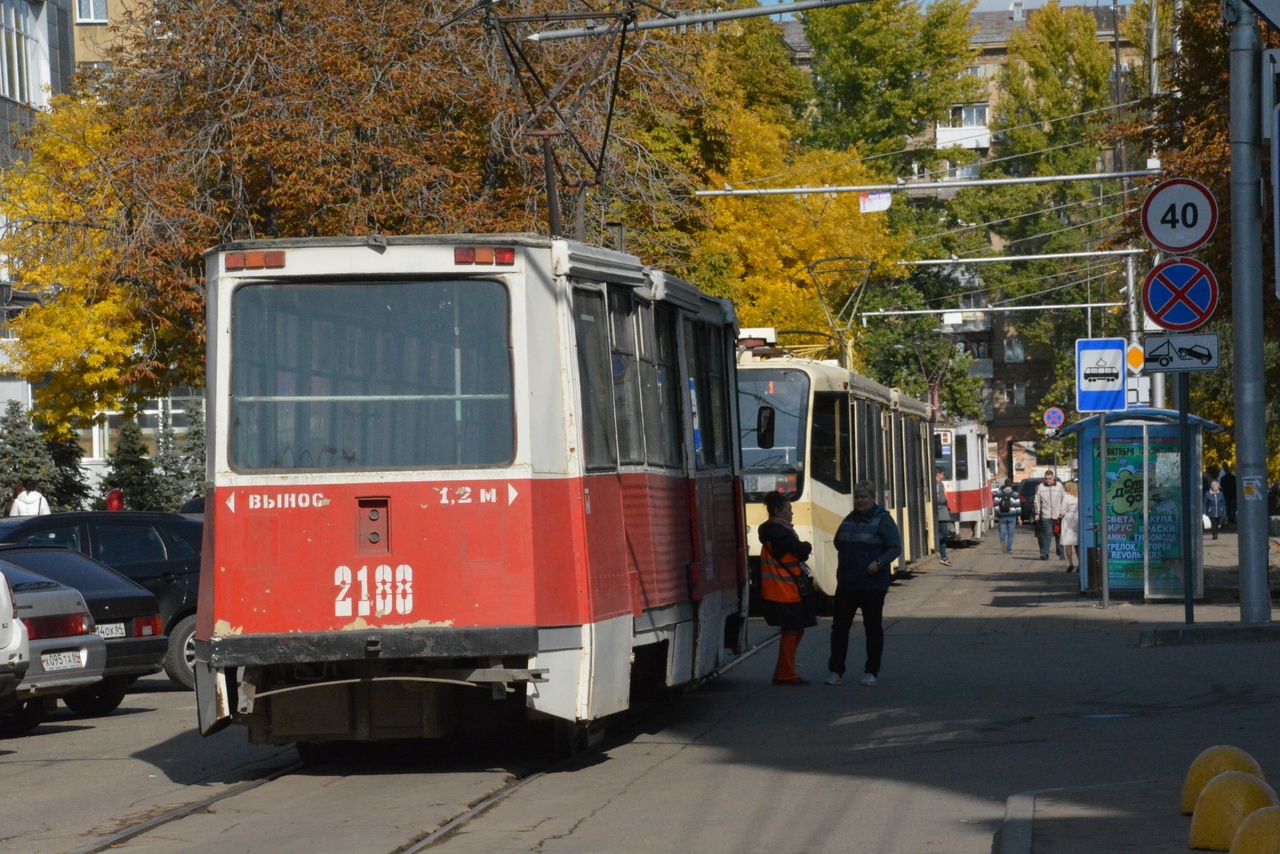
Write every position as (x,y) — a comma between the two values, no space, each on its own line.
(1179,215)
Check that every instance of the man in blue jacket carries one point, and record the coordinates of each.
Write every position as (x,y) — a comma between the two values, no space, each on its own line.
(867,543)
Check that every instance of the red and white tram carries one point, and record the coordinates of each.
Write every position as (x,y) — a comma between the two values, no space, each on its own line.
(450,463)
(960,450)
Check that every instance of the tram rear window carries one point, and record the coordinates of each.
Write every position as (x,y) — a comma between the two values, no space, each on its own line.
(781,466)
(370,375)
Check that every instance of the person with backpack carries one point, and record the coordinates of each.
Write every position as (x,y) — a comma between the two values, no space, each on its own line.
(1008,514)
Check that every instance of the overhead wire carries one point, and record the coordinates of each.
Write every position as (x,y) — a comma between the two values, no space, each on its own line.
(973,225)
(793,172)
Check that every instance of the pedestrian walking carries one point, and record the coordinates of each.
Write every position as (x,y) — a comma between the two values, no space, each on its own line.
(1048,513)
(1008,514)
(1227,483)
(1071,525)
(1215,507)
(867,543)
(28,502)
(941,514)
(782,557)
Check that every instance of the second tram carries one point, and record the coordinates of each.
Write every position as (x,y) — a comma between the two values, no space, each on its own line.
(832,427)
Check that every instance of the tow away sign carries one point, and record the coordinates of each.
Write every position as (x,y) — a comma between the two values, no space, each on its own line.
(1171,353)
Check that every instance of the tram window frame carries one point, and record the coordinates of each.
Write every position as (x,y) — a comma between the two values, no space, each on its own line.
(960,453)
(599,430)
(946,462)
(319,371)
(708,368)
(830,441)
(625,367)
(660,386)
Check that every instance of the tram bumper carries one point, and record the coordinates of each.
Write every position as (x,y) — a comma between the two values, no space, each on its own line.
(318,679)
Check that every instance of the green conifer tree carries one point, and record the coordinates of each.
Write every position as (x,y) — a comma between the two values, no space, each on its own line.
(72,489)
(131,469)
(23,455)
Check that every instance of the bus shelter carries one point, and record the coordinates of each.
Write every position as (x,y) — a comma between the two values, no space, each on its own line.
(1141,482)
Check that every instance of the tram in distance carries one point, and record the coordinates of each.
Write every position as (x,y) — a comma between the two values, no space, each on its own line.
(960,450)
(461,480)
(811,430)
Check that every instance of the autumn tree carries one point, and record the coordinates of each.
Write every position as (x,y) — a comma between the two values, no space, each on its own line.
(79,343)
(220,121)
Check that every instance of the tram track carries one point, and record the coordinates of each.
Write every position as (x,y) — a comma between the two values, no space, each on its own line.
(136,835)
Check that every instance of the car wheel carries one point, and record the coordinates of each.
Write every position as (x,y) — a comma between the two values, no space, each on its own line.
(180,660)
(22,718)
(99,699)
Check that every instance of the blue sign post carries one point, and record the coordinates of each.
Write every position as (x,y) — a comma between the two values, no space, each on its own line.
(1100,375)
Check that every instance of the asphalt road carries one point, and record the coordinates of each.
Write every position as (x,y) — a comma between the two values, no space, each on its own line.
(1000,678)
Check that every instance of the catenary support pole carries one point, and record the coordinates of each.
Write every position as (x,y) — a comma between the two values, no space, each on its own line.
(1247,309)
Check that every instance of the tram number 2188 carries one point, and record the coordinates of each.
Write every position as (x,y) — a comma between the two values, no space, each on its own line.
(392,591)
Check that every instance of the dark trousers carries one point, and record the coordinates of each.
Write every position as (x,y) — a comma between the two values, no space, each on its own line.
(1214,523)
(944,531)
(847,603)
(1047,537)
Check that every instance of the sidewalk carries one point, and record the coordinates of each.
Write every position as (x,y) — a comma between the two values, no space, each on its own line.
(1140,815)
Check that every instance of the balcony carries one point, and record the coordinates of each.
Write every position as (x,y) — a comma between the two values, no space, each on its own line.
(958,322)
(978,136)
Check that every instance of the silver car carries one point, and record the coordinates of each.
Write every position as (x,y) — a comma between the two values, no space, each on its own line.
(66,651)
(15,649)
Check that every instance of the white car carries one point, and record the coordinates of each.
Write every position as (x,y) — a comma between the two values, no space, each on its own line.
(15,649)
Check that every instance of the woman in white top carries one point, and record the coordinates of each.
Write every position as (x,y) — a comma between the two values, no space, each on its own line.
(1071,525)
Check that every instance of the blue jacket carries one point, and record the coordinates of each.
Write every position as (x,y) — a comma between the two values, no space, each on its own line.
(861,540)
(1215,504)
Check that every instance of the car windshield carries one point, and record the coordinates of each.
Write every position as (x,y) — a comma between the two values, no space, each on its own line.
(72,569)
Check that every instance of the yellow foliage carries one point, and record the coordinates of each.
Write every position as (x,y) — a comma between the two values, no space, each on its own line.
(762,244)
(76,344)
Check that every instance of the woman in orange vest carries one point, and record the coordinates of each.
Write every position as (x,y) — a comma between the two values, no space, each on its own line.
(782,557)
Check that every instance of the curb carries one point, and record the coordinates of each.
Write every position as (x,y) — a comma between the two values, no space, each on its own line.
(1195,635)
(1015,832)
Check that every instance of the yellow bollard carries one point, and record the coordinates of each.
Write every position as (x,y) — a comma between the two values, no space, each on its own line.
(1259,833)
(1209,764)
(1224,803)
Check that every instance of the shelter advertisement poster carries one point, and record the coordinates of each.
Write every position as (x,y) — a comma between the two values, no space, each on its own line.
(1144,508)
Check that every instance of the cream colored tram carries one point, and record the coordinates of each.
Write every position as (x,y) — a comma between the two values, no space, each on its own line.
(831,427)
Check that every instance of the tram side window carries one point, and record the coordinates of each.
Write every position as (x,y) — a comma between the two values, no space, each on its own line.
(942,456)
(660,385)
(591,325)
(829,454)
(709,372)
(962,457)
(626,376)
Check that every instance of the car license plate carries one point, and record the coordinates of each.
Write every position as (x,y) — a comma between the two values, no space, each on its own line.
(111,630)
(55,661)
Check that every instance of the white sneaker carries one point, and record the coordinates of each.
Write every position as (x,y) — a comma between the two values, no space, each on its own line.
(868,680)
(834,679)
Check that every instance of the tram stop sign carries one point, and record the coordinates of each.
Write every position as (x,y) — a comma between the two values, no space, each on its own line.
(1179,215)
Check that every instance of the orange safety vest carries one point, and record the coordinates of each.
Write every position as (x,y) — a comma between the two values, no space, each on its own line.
(778,577)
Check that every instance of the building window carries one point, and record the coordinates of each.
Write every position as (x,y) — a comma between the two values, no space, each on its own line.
(972,302)
(19,44)
(1014,351)
(91,11)
(968,116)
(979,349)
(1019,394)
(968,170)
